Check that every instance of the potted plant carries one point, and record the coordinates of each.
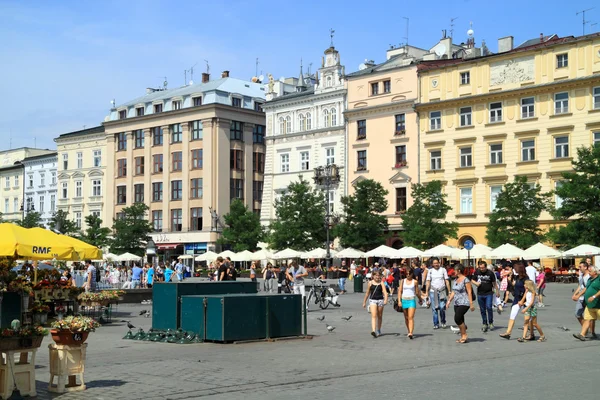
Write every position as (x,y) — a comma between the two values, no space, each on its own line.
(22,286)
(73,330)
(59,309)
(18,338)
(40,313)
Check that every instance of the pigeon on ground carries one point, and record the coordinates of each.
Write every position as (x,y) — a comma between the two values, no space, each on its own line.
(147,314)
(130,326)
(347,318)
(143,312)
(321,318)
(564,328)
(330,328)
(455,329)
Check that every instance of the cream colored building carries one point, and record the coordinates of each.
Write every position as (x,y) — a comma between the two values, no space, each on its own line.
(523,111)
(82,179)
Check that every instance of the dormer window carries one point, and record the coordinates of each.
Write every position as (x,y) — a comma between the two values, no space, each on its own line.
(197,101)
(176,104)
(236,102)
(258,106)
(122,114)
(139,111)
(158,108)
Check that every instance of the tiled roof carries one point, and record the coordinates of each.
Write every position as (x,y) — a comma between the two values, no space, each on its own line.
(88,131)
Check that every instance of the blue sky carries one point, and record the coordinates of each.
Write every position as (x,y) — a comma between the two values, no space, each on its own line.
(61,62)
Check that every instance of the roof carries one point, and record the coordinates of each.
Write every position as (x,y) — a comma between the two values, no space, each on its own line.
(40,156)
(394,62)
(535,41)
(88,131)
(310,90)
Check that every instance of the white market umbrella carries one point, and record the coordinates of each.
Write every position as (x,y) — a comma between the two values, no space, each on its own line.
(382,251)
(208,256)
(261,255)
(128,257)
(185,257)
(227,253)
(539,251)
(287,253)
(408,252)
(478,251)
(317,253)
(507,251)
(109,256)
(350,253)
(582,251)
(243,256)
(443,251)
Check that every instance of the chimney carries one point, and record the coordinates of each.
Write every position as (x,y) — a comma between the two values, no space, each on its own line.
(205,77)
(225,74)
(541,38)
(505,44)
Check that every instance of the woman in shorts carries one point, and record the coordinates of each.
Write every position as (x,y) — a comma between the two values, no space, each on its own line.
(409,294)
(463,301)
(377,296)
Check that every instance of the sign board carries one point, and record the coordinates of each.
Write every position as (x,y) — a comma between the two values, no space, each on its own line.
(468,245)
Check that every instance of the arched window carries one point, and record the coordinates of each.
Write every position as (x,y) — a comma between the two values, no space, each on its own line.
(328,81)
(308,121)
(288,124)
(326,118)
(333,117)
(301,122)
(281,126)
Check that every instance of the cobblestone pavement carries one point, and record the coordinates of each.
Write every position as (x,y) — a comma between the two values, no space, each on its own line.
(345,364)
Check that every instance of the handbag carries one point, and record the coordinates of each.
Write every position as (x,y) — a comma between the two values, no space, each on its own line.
(397,305)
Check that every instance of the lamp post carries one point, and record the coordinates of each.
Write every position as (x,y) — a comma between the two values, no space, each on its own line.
(325,177)
(150,251)
(27,209)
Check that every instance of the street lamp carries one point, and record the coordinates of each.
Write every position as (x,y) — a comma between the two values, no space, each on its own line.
(150,250)
(29,208)
(326,177)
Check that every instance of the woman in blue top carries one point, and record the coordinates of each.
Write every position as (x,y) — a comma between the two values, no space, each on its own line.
(168,273)
(463,301)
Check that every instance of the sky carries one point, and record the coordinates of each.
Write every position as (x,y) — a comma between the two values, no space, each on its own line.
(62,62)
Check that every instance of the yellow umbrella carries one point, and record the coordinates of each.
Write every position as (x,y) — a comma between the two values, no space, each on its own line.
(16,241)
(82,250)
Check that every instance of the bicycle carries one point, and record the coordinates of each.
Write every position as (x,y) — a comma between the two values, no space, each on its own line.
(321,295)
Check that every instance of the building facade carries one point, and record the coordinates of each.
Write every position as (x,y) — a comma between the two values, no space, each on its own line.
(82,179)
(306,130)
(40,185)
(187,153)
(521,112)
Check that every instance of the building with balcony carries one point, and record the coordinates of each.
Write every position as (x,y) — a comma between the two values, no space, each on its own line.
(187,153)
(82,179)
(521,112)
(40,187)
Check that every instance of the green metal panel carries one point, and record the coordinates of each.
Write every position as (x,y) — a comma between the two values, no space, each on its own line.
(234,317)
(284,315)
(10,308)
(192,314)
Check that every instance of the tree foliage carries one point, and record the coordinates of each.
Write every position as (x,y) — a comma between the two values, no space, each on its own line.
(242,228)
(300,218)
(515,219)
(130,232)
(363,226)
(580,194)
(60,222)
(424,222)
(95,234)
(32,219)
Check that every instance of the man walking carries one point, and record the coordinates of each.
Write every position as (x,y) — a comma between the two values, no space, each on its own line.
(438,287)
(592,303)
(90,285)
(579,296)
(136,276)
(179,270)
(296,274)
(342,275)
(487,285)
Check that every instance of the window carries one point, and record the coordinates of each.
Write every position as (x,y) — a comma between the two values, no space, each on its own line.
(494,192)
(466,200)
(122,114)
(65,163)
(282,126)
(333,117)
(257,190)
(157,220)
(561,103)
(15,204)
(176,135)
(596,138)
(387,86)
(96,187)
(157,163)
(176,190)
(496,153)
(64,190)
(121,167)
(374,88)
(258,106)
(138,136)
(41,205)
(496,112)
(236,160)
(196,188)
(400,156)
(176,161)
(400,199)
(139,165)
(331,201)
(197,101)
(53,178)
(157,191)
(139,111)
(562,60)
(236,102)
(561,146)
(79,189)
(301,122)
(435,160)
(400,124)
(304,160)
(435,120)
(258,162)
(176,105)
(361,157)
(328,82)
(158,108)
(258,134)
(309,121)
(42,179)
(30,181)
(16,184)
(558,201)
(596,97)
(138,193)
(465,116)
(121,194)
(236,131)
(157,136)
(97,158)
(78,219)
(237,189)
(7,182)
(465,78)
(361,126)
(197,161)
(528,107)
(527,150)
(120,216)
(196,219)
(6,205)
(176,220)
(330,155)
(284,160)
(79,160)
(121,141)
(196,130)
(466,157)
(326,120)
(288,124)
(52,202)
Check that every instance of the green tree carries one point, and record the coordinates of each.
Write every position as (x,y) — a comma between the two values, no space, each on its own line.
(60,222)
(580,194)
(424,222)
(242,228)
(1,218)
(363,226)
(95,234)
(300,218)
(131,230)
(515,219)
(32,219)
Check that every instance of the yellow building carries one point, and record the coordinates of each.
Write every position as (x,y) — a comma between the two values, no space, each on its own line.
(523,111)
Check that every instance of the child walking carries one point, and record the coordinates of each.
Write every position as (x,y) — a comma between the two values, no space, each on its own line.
(530,311)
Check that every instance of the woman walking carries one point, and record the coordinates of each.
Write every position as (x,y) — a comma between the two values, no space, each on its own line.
(268,276)
(377,296)
(530,312)
(540,281)
(463,301)
(409,293)
(253,271)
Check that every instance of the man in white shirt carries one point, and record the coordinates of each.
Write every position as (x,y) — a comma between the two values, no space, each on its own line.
(531,271)
(438,287)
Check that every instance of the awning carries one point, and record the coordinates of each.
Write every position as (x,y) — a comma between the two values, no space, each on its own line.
(168,246)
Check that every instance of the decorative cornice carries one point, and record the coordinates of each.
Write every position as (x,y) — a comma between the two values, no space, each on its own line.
(561,128)
(405,105)
(309,98)
(336,130)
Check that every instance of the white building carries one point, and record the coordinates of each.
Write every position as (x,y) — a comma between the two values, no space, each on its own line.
(305,130)
(40,185)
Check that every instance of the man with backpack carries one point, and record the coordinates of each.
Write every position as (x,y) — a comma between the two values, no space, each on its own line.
(92,277)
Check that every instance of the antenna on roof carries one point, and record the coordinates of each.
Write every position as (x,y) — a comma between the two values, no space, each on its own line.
(165,83)
(207,67)
(406,37)
(583,21)
(192,74)
(256,67)
(452,25)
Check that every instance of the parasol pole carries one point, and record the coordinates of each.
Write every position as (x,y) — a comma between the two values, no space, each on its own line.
(35,271)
